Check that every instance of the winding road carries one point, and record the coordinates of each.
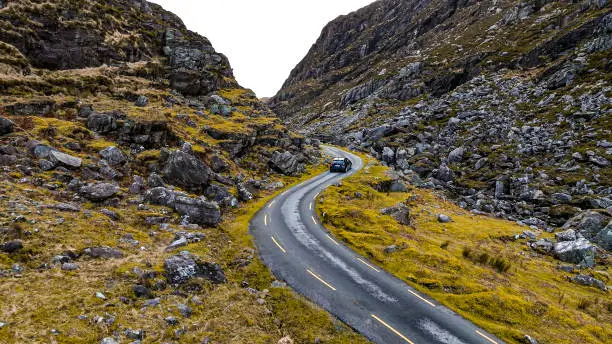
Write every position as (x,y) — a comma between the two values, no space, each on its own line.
(300,251)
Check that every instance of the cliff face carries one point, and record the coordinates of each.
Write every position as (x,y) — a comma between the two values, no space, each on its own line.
(505,104)
(124,140)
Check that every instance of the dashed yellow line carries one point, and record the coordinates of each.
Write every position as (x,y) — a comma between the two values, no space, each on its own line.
(485,337)
(271,203)
(266,219)
(313,220)
(392,329)
(310,206)
(368,265)
(279,246)
(321,280)
(332,239)
(419,296)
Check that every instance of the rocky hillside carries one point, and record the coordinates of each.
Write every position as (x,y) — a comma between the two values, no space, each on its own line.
(130,162)
(503,104)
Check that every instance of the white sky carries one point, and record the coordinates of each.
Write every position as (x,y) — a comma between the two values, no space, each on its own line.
(263,39)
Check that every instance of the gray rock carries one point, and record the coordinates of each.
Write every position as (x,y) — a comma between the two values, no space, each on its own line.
(388,155)
(588,223)
(217,164)
(220,194)
(98,191)
(567,235)
(111,214)
(400,212)
(171,321)
(6,126)
(542,245)
(104,252)
(180,242)
(579,251)
(561,197)
(162,196)
(113,155)
(134,334)
(444,173)
(286,163)
(604,237)
(45,165)
(186,170)
(141,101)
(243,193)
(109,340)
(101,123)
(390,249)
(68,266)
(530,340)
(444,218)
(185,310)
(11,246)
(200,211)
(138,185)
(185,266)
(456,155)
(64,159)
(155,180)
(589,281)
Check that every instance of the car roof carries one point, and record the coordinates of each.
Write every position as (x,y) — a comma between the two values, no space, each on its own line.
(338,158)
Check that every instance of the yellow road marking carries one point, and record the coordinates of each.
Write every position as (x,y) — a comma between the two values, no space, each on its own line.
(271,203)
(313,220)
(332,239)
(279,246)
(310,206)
(266,219)
(320,280)
(368,265)
(485,337)
(392,329)
(417,295)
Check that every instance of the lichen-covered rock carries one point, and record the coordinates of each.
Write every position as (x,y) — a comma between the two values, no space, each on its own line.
(199,211)
(589,281)
(185,266)
(6,126)
(104,252)
(186,170)
(579,251)
(286,163)
(604,237)
(101,123)
(64,159)
(11,246)
(400,212)
(98,191)
(113,155)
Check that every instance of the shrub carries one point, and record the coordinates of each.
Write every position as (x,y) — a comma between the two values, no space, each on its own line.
(484,258)
(583,304)
(501,264)
(444,245)
(467,252)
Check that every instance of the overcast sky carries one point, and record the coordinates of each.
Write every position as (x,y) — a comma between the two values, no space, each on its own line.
(263,39)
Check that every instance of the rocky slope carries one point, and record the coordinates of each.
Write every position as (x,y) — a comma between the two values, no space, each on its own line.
(503,104)
(124,140)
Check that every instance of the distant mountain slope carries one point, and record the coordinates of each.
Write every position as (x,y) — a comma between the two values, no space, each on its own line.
(505,104)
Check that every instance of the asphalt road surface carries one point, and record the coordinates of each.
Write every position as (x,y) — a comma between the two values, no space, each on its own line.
(300,251)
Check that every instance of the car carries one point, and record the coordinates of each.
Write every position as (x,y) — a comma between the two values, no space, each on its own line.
(340,165)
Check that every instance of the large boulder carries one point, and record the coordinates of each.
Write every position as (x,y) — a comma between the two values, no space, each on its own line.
(444,173)
(98,191)
(388,155)
(6,126)
(221,195)
(185,266)
(285,163)
(186,170)
(199,211)
(456,155)
(400,212)
(113,155)
(162,196)
(101,123)
(604,238)
(59,158)
(588,223)
(579,251)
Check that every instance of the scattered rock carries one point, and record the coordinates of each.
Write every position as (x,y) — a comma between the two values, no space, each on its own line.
(113,155)
(98,191)
(104,252)
(141,101)
(69,266)
(444,218)
(141,291)
(59,158)
(579,251)
(400,212)
(589,281)
(185,266)
(186,170)
(286,163)
(6,126)
(101,123)
(11,246)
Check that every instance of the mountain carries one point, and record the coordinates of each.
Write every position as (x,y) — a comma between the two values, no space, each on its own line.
(130,163)
(503,104)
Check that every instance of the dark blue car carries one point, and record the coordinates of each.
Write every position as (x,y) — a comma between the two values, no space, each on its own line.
(340,165)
